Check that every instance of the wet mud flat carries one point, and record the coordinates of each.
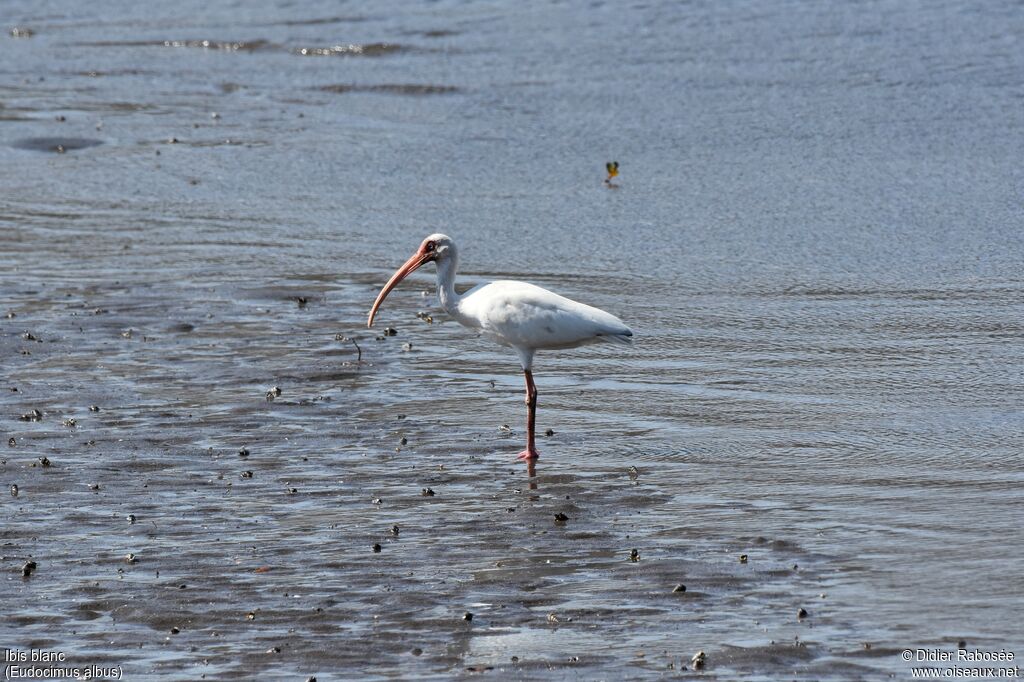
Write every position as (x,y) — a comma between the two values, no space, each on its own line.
(183,523)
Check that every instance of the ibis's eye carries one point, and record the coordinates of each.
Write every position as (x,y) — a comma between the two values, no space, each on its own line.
(429,246)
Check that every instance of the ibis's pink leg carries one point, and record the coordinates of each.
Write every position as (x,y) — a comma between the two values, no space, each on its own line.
(530,453)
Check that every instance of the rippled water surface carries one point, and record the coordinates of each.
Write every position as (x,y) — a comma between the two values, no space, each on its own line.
(816,237)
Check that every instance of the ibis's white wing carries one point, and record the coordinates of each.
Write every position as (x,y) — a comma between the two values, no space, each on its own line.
(530,317)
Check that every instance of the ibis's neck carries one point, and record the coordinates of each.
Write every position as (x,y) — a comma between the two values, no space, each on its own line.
(446,285)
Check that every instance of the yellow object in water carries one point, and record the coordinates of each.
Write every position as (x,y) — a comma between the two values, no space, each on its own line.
(613,169)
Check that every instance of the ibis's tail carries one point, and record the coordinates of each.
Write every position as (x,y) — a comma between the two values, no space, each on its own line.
(625,338)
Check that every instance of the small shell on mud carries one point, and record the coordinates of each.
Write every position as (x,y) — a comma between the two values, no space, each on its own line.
(244,452)
(634,555)
(427,492)
(395,530)
(130,519)
(251,615)
(801,614)
(131,558)
(743,558)
(376,548)
(28,569)
(246,474)
(698,660)
(679,588)
(467,616)
(14,490)
(561,519)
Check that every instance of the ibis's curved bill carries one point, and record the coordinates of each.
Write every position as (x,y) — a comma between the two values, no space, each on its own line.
(416,261)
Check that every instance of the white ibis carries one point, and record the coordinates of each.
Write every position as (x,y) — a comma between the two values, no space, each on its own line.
(516,314)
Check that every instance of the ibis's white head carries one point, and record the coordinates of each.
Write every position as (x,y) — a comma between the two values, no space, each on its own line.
(438,248)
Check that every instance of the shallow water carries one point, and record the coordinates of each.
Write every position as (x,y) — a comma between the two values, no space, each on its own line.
(816,238)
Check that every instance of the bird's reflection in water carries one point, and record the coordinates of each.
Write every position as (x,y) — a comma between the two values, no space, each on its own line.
(531,472)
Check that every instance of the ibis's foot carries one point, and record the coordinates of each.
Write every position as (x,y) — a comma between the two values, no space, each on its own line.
(529,455)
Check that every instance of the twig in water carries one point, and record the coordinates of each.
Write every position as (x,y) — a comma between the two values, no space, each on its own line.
(359,351)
